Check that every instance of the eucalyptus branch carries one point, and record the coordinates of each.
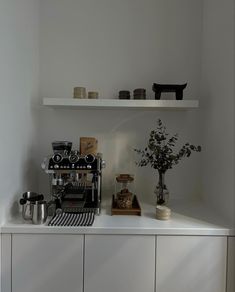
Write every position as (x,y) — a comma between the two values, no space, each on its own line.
(159,153)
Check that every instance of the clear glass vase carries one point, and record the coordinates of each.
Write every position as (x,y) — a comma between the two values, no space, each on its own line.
(161,190)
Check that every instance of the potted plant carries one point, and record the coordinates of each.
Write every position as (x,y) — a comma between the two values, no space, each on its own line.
(161,155)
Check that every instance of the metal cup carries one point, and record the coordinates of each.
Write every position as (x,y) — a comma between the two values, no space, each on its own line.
(39,212)
(27,210)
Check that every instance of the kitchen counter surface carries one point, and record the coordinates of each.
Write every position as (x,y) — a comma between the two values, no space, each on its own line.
(187,219)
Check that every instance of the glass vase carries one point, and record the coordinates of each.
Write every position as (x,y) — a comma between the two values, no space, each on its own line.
(161,190)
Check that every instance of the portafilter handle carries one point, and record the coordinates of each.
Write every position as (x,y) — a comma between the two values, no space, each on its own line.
(22,201)
(36,198)
(40,197)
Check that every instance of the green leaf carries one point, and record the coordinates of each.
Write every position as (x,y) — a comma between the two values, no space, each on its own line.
(159,152)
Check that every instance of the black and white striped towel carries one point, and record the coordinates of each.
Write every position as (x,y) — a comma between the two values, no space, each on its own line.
(73,219)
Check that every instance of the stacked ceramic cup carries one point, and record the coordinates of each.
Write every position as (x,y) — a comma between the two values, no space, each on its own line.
(124,94)
(79,92)
(93,94)
(139,93)
(163,212)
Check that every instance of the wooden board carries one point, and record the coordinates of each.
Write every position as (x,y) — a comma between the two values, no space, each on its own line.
(135,210)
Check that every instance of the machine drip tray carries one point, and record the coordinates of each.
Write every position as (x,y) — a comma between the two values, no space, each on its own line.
(72,205)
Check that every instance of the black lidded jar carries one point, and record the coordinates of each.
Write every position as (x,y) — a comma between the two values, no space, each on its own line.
(124,94)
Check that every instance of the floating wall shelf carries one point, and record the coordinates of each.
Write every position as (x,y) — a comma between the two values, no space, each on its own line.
(120,104)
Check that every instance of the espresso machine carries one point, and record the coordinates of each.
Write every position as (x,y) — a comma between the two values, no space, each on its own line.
(75,179)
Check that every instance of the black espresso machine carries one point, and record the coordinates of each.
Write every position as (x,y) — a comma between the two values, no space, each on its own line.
(75,180)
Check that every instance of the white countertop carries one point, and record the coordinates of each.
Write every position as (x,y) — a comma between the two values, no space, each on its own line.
(190,219)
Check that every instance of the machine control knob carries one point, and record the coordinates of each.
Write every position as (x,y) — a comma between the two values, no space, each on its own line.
(44,163)
(57,158)
(103,164)
(89,158)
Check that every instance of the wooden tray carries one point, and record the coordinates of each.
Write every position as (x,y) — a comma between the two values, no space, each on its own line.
(135,210)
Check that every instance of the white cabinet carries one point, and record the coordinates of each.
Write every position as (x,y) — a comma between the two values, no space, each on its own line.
(47,263)
(231,265)
(116,263)
(191,263)
(119,263)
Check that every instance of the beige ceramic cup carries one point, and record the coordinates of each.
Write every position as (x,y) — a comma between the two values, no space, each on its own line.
(163,212)
(79,92)
(93,94)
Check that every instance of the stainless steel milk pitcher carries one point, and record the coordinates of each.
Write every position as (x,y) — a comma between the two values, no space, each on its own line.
(28,201)
(40,211)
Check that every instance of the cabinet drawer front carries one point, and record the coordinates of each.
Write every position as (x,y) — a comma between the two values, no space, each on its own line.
(118,263)
(47,262)
(191,263)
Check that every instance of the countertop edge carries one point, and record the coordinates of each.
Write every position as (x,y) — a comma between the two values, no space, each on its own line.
(116,231)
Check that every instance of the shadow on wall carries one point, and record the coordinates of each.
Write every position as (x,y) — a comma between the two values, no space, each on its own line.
(118,133)
(29,182)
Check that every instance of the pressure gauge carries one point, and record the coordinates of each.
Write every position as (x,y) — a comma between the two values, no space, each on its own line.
(57,158)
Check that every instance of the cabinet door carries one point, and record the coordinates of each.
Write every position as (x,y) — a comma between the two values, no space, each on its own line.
(119,263)
(191,263)
(47,263)
(231,265)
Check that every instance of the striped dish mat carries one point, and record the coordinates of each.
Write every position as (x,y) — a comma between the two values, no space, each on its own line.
(73,219)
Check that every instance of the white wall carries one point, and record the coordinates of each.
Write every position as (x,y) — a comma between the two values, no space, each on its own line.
(109,45)
(217,106)
(18,94)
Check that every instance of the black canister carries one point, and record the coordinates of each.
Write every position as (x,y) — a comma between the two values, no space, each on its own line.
(139,93)
(124,94)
